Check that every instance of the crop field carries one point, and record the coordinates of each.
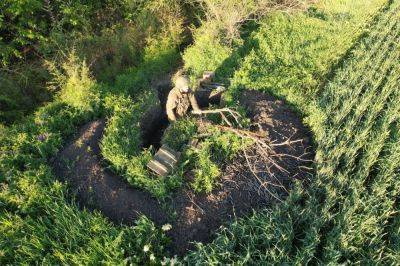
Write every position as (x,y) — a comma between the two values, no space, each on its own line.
(350,213)
(74,186)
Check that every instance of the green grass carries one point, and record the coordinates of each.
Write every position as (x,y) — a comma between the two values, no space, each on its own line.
(121,145)
(350,212)
(290,56)
(206,160)
(39,219)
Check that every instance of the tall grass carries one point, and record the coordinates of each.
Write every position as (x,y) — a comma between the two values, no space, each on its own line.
(350,212)
(287,55)
(39,219)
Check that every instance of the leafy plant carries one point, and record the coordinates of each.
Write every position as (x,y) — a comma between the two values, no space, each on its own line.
(179,133)
(122,144)
(205,161)
(350,210)
(75,84)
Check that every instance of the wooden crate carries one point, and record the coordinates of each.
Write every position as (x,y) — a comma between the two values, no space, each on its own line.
(164,161)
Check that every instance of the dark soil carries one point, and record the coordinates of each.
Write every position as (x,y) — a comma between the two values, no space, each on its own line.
(198,216)
(153,125)
(272,116)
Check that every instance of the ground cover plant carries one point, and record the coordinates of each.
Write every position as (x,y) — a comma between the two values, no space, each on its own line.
(336,63)
(109,35)
(296,61)
(208,157)
(40,220)
(122,145)
(350,212)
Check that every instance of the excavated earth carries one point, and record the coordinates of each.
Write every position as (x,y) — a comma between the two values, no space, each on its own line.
(196,216)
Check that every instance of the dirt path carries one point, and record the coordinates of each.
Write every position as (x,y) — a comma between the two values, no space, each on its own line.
(198,216)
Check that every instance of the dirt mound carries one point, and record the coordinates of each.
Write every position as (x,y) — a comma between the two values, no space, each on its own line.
(197,215)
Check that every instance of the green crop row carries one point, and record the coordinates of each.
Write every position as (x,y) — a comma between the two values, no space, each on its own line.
(350,213)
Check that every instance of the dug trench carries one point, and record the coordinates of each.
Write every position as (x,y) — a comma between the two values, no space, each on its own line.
(243,186)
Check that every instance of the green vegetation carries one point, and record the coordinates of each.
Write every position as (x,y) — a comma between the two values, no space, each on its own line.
(77,87)
(110,36)
(39,218)
(218,149)
(206,159)
(35,204)
(295,62)
(349,214)
(337,63)
(122,145)
(180,133)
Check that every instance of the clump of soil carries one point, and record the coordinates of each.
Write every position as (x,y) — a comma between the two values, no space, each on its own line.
(198,216)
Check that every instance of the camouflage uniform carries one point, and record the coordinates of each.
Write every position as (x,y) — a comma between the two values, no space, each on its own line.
(180,99)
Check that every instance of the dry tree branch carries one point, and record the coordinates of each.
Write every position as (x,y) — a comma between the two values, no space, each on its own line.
(265,156)
(221,111)
(263,184)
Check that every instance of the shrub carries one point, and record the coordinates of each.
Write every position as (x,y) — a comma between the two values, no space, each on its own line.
(207,53)
(113,51)
(122,137)
(29,26)
(75,84)
(122,147)
(219,35)
(229,15)
(22,89)
(212,153)
(179,133)
(26,146)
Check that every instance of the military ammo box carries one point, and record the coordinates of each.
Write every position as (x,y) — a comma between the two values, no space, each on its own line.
(164,161)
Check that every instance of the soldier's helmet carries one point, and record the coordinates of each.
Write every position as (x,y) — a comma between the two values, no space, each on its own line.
(207,76)
(183,83)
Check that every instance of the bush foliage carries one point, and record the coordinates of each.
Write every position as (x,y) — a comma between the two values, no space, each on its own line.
(40,221)
(205,161)
(110,36)
(337,63)
(122,144)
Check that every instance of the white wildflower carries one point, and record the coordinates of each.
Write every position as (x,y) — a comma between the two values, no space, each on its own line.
(166,227)
(152,257)
(146,248)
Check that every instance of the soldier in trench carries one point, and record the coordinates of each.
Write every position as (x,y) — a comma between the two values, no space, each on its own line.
(181,97)
(179,101)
